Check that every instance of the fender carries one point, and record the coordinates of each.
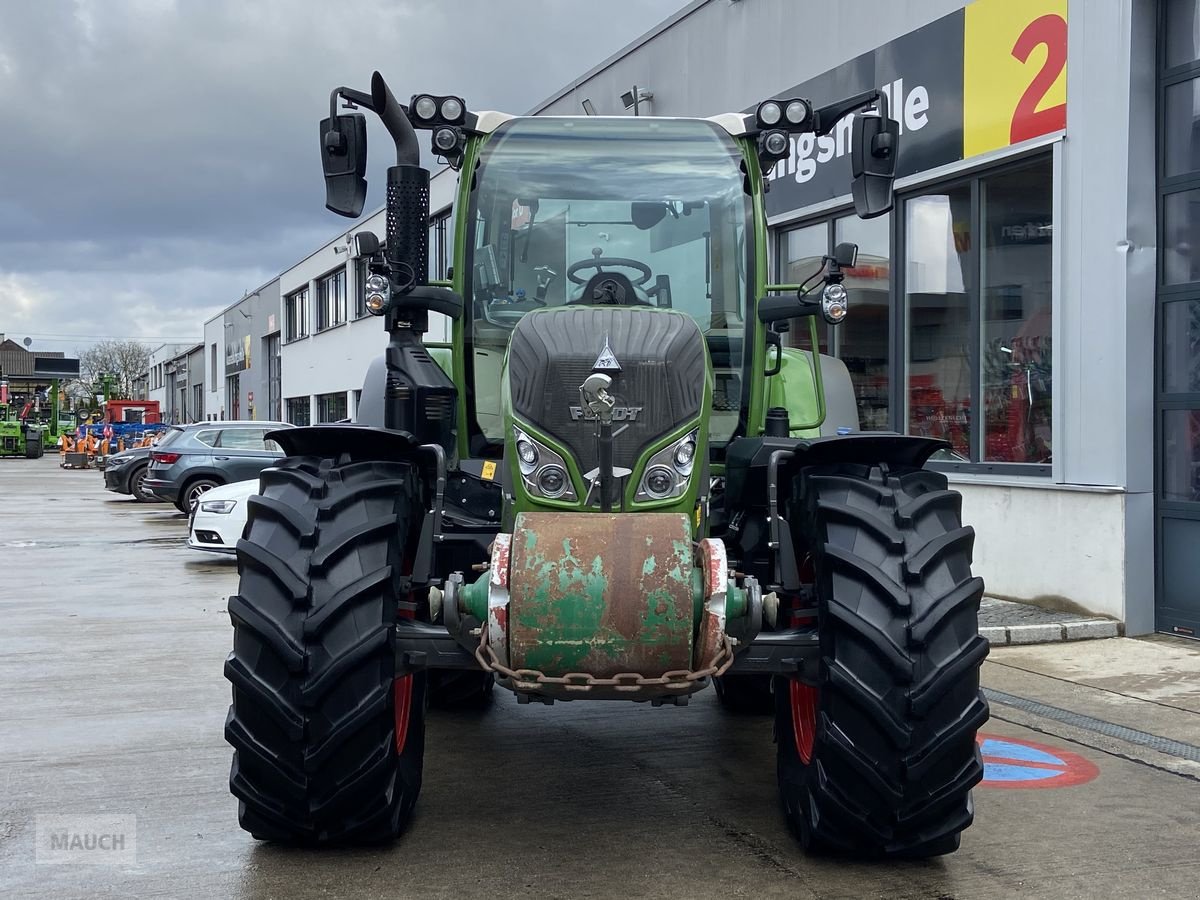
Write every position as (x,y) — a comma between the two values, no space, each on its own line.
(360,442)
(747,460)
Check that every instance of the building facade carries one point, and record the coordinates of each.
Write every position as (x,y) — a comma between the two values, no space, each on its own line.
(241,358)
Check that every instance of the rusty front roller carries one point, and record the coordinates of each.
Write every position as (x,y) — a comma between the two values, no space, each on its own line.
(602,594)
(604,606)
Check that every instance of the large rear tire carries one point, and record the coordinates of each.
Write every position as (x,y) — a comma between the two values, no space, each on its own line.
(328,742)
(879,757)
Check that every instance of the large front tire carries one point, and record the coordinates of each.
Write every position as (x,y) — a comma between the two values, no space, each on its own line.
(879,757)
(328,742)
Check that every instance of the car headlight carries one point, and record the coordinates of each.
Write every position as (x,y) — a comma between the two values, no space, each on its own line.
(115,462)
(217,506)
(543,471)
(669,470)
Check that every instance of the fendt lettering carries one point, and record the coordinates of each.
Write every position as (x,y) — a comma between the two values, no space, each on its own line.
(457,536)
(619,413)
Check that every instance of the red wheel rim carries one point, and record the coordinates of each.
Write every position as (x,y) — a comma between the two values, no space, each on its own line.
(804,718)
(402,691)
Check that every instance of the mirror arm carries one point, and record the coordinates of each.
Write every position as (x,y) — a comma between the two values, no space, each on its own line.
(352,97)
(825,118)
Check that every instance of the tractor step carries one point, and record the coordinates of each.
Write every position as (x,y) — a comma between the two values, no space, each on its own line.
(420,645)
(793,652)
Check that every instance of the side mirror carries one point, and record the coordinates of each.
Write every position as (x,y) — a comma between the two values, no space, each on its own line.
(344,161)
(366,244)
(846,255)
(645,214)
(873,149)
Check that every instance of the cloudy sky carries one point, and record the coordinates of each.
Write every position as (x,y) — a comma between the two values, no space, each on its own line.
(160,157)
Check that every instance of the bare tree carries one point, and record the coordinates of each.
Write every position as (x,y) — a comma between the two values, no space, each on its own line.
(125,361)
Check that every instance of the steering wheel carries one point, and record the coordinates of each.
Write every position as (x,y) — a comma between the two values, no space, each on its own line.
(598,263)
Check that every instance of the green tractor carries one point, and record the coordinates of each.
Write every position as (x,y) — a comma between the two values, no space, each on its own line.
(622,486)
(20,436)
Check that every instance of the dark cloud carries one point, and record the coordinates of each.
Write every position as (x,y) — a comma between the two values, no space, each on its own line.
(161,157)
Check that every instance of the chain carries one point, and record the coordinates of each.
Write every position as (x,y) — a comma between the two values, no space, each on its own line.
(582,682)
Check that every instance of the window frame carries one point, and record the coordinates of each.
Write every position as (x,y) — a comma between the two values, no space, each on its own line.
(898,394)
(299,297)
(325,308)
(299,400)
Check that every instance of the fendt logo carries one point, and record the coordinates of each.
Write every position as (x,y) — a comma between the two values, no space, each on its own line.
(619,413)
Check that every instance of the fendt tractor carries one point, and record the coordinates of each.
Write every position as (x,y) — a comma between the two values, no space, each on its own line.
(614,482)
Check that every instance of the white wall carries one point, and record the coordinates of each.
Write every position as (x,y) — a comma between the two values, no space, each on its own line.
(214,382)
(1036,543)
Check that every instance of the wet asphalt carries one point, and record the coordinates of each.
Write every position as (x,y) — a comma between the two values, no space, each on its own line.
(112,702)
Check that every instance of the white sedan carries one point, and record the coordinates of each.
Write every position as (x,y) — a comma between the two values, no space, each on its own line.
(218,518)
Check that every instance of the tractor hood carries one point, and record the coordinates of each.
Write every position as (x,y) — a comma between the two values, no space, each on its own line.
(657,359)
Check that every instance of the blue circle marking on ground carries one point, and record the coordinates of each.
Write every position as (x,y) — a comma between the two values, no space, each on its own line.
(1008,762)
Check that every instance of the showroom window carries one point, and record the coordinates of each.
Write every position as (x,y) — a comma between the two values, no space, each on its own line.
(295,315)
(863,341)
(299,411)
(331,299)
(332,407)
(978,292)
(975,289)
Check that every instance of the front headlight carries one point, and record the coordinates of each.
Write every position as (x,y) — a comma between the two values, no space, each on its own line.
(115,462)
(669,470)
(543,471)
(217,506)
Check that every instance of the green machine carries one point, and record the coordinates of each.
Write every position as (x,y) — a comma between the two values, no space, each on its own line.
(19,436)
(622,486)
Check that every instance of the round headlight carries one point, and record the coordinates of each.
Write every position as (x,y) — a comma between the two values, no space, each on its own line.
(452,109)
(527,452)
(834,303)
(552,481)
(376,284)
(770,113)
(776,143)
(375,302)
(659,482)
(685,453)
(797,112)
(425,108)
(445,139)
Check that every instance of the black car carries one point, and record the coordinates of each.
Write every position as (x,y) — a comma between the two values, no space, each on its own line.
(125,472)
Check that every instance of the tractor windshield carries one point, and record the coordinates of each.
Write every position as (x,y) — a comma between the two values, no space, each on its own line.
(561,203)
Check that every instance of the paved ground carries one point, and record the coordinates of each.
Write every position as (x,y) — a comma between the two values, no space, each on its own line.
(113,702)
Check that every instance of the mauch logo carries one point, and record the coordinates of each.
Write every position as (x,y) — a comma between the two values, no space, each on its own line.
(619,413)
(91,840)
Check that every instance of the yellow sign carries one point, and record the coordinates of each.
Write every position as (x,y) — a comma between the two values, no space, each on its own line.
(489,470)
(1014,72)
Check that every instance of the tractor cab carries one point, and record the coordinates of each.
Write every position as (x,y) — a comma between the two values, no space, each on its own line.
(615,213)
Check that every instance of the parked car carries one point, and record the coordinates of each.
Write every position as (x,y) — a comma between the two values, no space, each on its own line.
(219,517)
(126,472)
(209,454)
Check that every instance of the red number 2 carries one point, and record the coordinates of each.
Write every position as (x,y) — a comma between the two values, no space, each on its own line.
(1028,121)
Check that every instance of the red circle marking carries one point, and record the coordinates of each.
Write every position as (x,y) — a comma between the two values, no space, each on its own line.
(1013,763)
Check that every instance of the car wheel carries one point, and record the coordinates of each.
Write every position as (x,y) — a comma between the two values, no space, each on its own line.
(192,491)
(137,486)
